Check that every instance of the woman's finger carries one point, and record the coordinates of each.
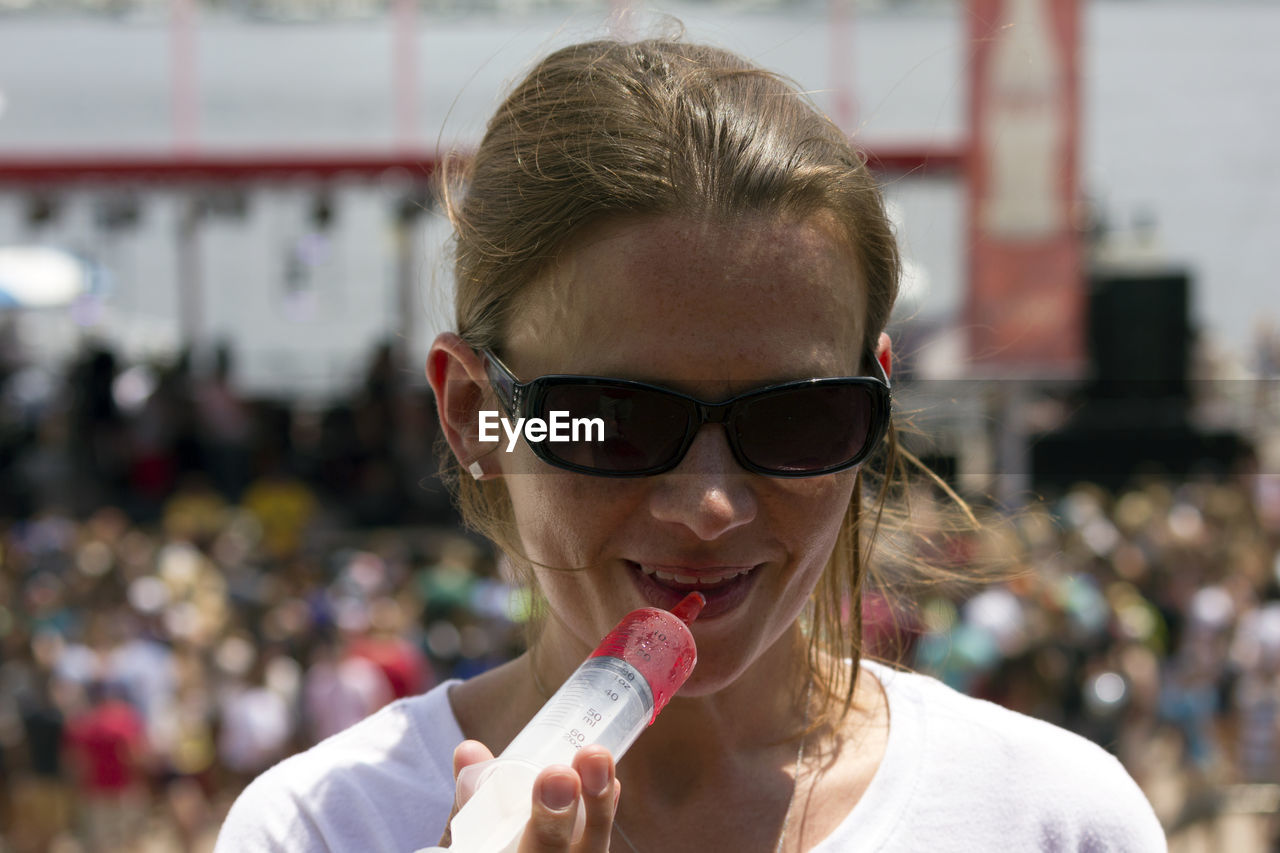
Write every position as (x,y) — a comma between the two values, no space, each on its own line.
(555,809)
(467,753)
(595,768)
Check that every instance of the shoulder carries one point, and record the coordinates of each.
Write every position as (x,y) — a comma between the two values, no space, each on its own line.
(989,766)
(385,783)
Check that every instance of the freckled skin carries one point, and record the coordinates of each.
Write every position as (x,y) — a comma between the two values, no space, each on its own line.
(711,310)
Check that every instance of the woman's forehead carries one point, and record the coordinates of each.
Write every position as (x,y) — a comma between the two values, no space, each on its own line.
(760,298)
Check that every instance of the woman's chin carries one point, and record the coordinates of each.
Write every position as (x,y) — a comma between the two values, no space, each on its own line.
(728,658)
(699,688)
(717,670)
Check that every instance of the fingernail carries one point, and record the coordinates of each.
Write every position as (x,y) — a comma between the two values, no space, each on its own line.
(595,776)
(558,792)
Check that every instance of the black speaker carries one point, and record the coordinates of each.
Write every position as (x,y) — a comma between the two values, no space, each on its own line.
(1139,334)
(1132,418)
(1113,457)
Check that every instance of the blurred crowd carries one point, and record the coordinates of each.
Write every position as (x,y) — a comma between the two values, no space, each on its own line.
(135,435)
(194,585)
(1147,620)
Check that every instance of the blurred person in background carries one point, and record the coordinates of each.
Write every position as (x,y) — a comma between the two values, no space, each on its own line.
(340,689)
(256,717)
(107,752)
(225,428)
(40,807)
(385,644)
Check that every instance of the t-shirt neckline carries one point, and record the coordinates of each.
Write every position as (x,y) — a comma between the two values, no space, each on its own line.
(883,805)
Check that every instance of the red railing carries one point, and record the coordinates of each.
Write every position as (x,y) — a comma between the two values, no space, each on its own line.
(28,168)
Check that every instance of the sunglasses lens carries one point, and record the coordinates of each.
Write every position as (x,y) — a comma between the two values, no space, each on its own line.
(809,428)
(643,429)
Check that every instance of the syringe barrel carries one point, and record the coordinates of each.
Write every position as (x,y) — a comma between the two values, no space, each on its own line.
(608,700)
(605,701)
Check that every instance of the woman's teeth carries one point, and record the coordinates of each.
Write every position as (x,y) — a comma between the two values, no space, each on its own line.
(688,580)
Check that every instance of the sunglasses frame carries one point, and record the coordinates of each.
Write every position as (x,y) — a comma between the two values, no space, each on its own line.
(519,399)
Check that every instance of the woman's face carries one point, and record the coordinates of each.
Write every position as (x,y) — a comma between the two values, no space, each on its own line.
(710,310)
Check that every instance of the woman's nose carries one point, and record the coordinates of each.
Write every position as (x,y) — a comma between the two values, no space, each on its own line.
(708,492)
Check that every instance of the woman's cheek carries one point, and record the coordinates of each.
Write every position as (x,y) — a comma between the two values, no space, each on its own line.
(817,504)
(815,519)
(566,519)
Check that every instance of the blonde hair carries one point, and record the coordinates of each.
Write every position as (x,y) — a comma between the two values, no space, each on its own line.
(653,128)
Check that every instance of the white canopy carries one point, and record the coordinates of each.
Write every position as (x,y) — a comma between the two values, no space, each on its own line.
(40,277)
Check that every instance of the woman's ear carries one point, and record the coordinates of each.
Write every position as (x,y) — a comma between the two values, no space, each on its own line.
(456,373)
(884,354)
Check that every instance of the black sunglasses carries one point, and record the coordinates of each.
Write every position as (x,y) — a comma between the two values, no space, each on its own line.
(795,429)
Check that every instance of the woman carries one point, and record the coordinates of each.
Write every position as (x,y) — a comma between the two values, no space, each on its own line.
(668,214)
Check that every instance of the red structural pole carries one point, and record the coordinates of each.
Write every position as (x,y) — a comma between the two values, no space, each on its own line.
(405,69)
(182,60)
(840,29)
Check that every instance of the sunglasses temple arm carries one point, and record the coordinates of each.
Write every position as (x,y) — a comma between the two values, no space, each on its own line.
(879,371)
(504,383)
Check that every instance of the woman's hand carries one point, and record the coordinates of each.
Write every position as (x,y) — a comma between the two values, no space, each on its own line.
(554,825)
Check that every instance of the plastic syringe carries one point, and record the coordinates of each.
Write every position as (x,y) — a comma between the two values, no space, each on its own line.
(608,700)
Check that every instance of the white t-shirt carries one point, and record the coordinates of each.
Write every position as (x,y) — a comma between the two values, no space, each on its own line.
(958,774)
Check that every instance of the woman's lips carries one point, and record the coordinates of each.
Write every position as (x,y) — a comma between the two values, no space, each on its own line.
(725,587)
